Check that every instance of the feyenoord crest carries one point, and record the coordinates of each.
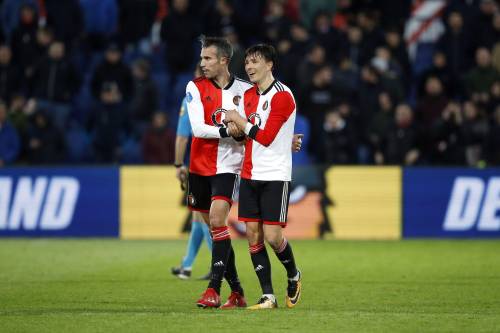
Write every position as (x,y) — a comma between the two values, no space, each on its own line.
(257,120)
(264,107)
(218,117)
(236,100)
(191,200)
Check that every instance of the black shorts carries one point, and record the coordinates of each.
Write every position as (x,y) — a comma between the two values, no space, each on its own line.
(202,190)
(264,201)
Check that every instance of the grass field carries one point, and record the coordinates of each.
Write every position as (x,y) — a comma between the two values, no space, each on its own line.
(126,286)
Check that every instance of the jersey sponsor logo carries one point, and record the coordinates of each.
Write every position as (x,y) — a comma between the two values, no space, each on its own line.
(474,203)
(236,100)
(264,107)
(255,119)
(218,117)
(43,203)
(189,97)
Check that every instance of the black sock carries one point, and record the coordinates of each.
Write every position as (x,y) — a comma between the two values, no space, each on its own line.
(262,267)
(220,254)
(231,274)
(285,255)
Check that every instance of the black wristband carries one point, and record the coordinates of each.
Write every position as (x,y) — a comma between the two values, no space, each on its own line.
(253,131)
(178,165)
(223,132)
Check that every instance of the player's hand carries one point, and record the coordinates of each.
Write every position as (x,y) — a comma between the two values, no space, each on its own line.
(231,115)
(297,142)
(182,175)
(234,131)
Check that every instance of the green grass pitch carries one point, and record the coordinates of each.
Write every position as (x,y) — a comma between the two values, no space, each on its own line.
(110,285)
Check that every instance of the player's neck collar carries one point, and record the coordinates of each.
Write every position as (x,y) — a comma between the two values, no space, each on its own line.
(267,89)
(228,85)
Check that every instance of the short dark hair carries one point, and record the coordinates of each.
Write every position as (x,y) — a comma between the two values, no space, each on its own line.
(224,48)
(266,51)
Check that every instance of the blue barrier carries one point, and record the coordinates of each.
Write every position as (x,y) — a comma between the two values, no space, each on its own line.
(46,202)
(451,202)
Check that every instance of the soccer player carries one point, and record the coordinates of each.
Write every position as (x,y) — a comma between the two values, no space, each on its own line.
(269,120)
(199,229)
(215,163)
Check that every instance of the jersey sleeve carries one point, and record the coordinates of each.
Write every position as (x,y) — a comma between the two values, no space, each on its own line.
(197,116)
(183,126)
(282,106)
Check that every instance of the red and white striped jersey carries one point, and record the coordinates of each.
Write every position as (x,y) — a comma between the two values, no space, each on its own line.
(212,150)
(268,151)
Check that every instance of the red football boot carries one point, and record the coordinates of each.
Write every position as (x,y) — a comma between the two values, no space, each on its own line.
(235,300)
(209,299)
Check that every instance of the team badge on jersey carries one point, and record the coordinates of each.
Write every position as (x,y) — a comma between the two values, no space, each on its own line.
(264,107)
(218,117)
(254,118)
(236,100)
(189,97)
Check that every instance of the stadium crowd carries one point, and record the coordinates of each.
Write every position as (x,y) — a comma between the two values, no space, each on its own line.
(101,81)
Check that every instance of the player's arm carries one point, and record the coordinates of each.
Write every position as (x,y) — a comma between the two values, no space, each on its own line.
(197,116)
(282,106)
(181,142)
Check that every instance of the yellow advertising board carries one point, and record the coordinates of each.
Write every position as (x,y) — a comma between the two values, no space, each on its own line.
(366,202)
(150,206)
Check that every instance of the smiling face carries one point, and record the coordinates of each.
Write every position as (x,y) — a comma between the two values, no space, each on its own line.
(211,63)
(257,67)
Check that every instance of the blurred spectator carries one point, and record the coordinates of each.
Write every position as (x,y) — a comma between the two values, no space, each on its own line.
(314,60)
(110,71)
(491,33)
(45,143)
(66,20)
(399,54)
(9,14)
(494,97)
(400,144)
(291,51)
(493,140)
(9,139)
(340,139)
(309,9)
(44,38)
(316,100)
(100,19)
(158,141)
(221,18)
(447,147)
(332,40)
(55,82)
(108,123)
(55,79)
(145,100)
(237,64)
(10,78)
(368,95)
(355,49)
(483,23)
(389,72)
(179,30)
(456,44)
(344,14)
(372,34)
(23,40)
(440,69)
(276,24)
(136,17)
(479,79)
(18,115)
(432,103)
(475,128)
(382,121)
(496,56)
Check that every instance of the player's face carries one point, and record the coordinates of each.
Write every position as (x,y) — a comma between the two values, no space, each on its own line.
(211,65)
(257,68)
